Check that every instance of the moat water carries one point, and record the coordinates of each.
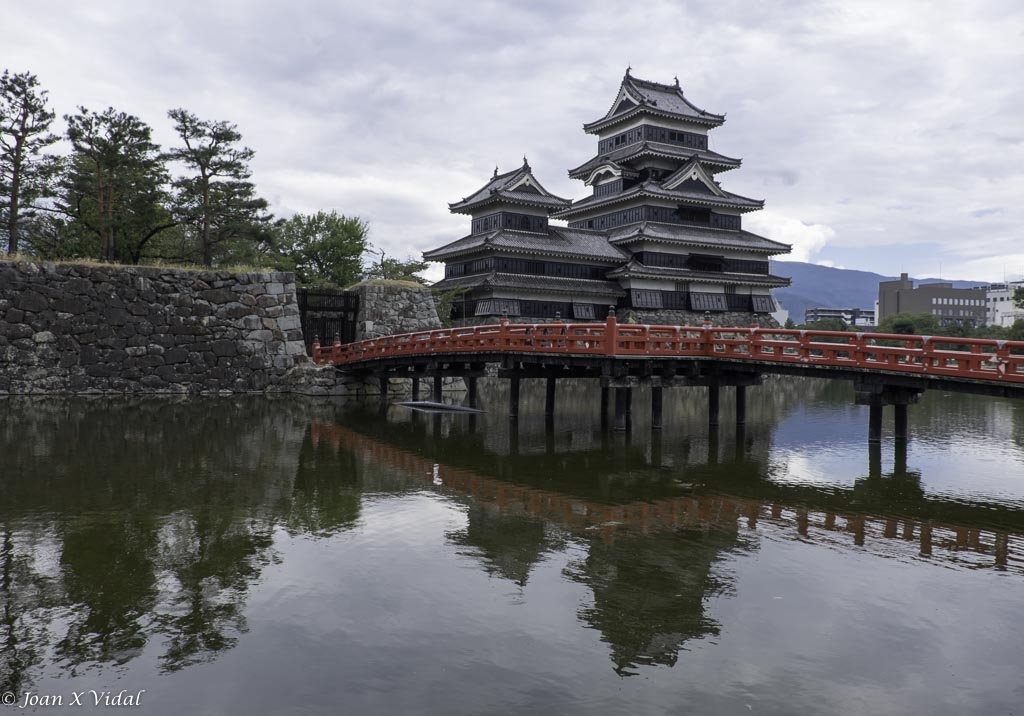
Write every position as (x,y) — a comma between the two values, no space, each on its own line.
(257,556)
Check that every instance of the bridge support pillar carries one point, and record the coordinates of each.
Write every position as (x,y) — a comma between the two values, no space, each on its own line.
(714,393)
(877,395)
(471,385)
(415,387)
(656,407)
(900,425)
(741,405)
(621,409)
(549,396)
(875,422)
(385,384)
(513,396)
(604,406)
(438,382)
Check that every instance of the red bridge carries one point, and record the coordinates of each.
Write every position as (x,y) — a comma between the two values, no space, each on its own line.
(886,369)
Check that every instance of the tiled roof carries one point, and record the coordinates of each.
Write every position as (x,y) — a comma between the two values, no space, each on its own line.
(638,270)
(550,284)
(695,236)
(558,241)
(626,154)
(652,188)
(654,98)
(506,187)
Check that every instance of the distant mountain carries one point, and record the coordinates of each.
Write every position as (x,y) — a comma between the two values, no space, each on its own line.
(822,286)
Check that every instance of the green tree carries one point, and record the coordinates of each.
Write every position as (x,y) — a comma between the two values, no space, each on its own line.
(115,182)
(324,248)
(217,200)
(25,172)
(789,323)
(1018,297)
(911,324)
(396,269)
(827,324)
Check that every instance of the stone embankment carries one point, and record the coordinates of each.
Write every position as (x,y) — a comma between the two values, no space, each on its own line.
(96,329)
(82,329)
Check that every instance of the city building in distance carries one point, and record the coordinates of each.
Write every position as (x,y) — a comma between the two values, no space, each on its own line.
(849,316)
(950,306)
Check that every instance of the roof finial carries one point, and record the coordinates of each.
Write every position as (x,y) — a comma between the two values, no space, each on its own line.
(526,164)
(495,171)
(677,80)
(628,68)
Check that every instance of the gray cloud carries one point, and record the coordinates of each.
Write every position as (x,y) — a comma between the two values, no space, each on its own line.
(842,112)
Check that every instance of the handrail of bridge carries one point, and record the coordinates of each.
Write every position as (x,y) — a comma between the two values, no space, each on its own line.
(974,358)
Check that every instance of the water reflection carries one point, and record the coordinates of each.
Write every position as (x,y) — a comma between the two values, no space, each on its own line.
(132,528)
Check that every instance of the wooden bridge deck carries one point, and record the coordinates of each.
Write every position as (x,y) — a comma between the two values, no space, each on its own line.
(693,354)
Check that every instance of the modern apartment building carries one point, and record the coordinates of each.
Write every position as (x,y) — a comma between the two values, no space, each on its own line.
(849,316)
(950,306)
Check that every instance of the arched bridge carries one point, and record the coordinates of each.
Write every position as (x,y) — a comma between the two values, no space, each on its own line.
(886,369)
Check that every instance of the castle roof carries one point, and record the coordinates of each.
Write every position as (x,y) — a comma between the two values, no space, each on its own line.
(635,269)
(677,234)
(654,189)
(514,187)
(579,287)
(637,96)
(556,242)
(635,151)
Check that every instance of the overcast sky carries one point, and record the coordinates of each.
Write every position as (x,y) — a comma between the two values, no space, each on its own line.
(883,135)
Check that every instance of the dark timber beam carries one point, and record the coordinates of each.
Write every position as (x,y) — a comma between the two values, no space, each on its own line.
(438,383)
(741,405)
(471,384)
(620,409)
(604,406)
(415,387)
(656,407)
(513,397)
(549,396)
(713,404)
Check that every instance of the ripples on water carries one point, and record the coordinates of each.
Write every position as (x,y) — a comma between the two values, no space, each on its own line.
(278,556)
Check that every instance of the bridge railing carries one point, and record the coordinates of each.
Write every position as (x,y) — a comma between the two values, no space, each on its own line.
(976,358)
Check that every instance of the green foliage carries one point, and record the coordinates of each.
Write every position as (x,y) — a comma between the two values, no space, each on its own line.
(26,175)
(789,323)
(1016,331)
(1018,297)
(324,249)
(445,301)
(114,183)
(397,270)
(911,324)
(827,324)
(216,201)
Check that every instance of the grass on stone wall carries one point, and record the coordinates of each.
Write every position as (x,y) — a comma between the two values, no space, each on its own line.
(93,263)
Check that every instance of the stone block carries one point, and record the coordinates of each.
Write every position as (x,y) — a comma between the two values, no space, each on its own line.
(275,289)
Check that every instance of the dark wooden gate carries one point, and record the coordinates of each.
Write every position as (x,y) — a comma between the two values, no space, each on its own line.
(327,312)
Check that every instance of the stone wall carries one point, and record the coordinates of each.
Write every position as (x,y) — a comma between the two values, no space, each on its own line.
(387,308)
(82,329)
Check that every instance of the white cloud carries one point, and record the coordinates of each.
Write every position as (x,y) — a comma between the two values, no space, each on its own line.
(865,126)
(806,239)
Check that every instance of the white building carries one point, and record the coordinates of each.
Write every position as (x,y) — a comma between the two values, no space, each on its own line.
(999,304)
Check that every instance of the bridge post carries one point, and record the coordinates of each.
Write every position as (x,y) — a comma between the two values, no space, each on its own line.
(604,406)
(415,387)
(900,427)
(513,397)
(385,383)
(621,419)
(741,405)
(713,404)
(875,422)
(656,406)
(472,391)
(438,382)
(549,396)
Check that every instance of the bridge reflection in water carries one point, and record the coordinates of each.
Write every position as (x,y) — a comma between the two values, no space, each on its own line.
(651,564)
